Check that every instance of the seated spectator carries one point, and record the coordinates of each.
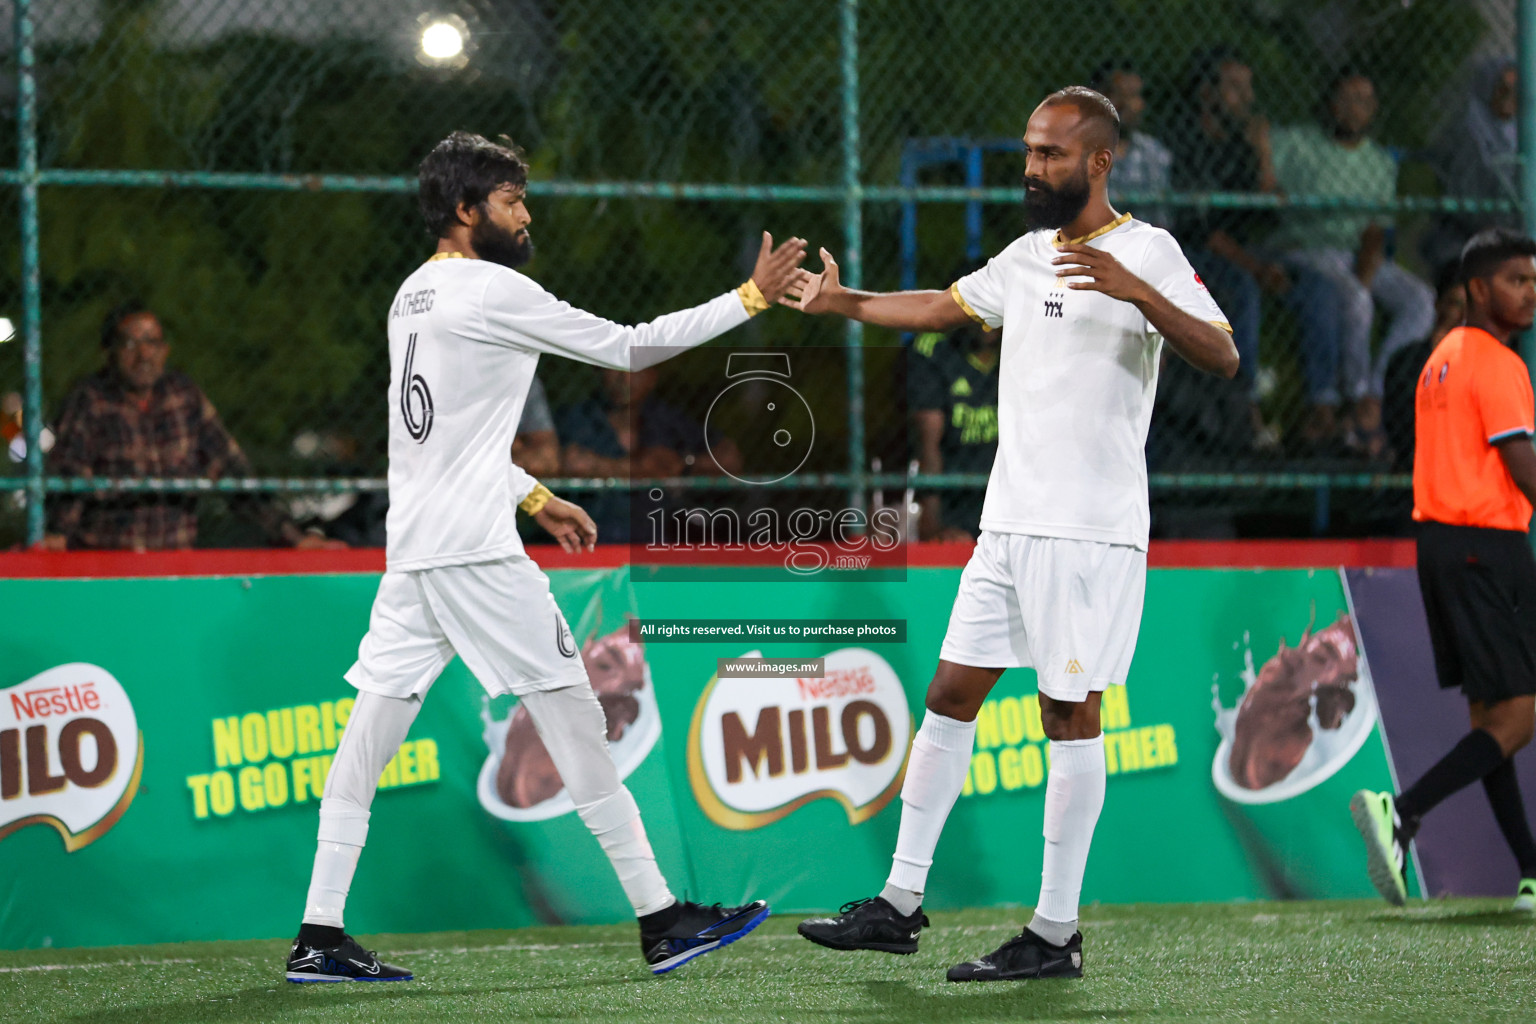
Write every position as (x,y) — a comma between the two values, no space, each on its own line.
(628,432)
(1338,159)
(952,395)
(1476,155)
(1225,147)
(536,447)
(1142,163)
(1407,363)
(356,518)
(135,418)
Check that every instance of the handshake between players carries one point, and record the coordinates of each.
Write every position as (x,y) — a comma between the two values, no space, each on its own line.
(466,332)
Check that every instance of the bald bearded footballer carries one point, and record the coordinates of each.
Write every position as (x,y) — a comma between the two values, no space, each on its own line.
(1086,300)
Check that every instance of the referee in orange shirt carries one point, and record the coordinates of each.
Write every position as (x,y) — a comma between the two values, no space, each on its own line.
(1474,484)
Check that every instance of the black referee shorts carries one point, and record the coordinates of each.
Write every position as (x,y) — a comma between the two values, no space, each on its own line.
(1479,588)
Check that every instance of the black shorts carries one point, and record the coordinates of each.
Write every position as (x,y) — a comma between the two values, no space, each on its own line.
(1479,588)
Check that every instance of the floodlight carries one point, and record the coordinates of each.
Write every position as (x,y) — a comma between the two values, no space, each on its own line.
(442,40)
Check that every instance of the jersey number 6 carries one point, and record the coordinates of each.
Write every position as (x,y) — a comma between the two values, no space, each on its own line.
(415,397)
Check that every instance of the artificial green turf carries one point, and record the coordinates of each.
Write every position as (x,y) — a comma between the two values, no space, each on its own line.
(1337,961)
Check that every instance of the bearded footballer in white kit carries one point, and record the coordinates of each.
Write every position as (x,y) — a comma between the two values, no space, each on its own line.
(1085,300)
(465,334)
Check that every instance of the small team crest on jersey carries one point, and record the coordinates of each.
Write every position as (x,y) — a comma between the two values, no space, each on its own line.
(71,754)
(759,749)
(1200,283)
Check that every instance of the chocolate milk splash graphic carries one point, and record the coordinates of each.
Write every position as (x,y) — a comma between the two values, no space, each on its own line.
(1301,718)
(518,781)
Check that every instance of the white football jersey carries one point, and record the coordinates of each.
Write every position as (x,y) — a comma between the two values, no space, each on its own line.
(465,337)
(1077,377)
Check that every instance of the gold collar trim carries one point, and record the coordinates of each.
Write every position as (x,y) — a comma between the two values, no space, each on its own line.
(1106,229)
(446,256)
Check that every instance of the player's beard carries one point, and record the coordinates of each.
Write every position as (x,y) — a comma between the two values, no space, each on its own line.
(1047,207)
(501,246)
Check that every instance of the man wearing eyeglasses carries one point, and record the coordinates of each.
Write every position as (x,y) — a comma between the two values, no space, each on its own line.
(136,418)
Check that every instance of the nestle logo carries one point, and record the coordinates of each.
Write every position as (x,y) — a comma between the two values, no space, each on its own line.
(55,700)
(837,684)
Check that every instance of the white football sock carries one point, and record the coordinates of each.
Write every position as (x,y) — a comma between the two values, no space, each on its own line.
(1074,796)
(570,722)
(936,769)
(329,882)
(374,731)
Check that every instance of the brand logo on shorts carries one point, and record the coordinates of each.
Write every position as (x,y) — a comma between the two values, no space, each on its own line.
(70,753)
(1073,668)
(563,638)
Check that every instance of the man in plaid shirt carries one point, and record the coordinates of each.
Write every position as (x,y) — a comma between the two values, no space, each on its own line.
(135,418)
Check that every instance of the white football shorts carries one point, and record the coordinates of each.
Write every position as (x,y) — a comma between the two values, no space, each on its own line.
(1069,609)
(498,616)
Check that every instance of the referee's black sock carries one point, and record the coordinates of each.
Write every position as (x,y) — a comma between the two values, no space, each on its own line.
(1503,788)
(1477,754)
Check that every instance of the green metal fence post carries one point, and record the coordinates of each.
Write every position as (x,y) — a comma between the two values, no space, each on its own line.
(31,282)
(853,247)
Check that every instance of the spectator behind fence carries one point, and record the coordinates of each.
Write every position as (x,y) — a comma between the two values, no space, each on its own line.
(536,446)
(626,431)
(135,418)
(1337,159)
(1142,163)
(1476,154)
(952,392)
(1224,146)
(1408,362)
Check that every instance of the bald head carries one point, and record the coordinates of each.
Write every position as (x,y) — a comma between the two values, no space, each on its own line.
(1099,122)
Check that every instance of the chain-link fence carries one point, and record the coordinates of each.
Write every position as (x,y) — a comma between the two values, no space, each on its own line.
(245,171)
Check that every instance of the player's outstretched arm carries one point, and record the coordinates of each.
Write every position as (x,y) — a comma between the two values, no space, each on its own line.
(519,312)
(1202,344)
(903,311)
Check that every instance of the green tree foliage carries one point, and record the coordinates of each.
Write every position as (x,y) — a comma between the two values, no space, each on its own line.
(275,301)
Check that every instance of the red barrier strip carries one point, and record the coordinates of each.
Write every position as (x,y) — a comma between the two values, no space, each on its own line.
(1173,554)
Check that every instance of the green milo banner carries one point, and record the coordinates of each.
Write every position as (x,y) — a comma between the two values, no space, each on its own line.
(164,745)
